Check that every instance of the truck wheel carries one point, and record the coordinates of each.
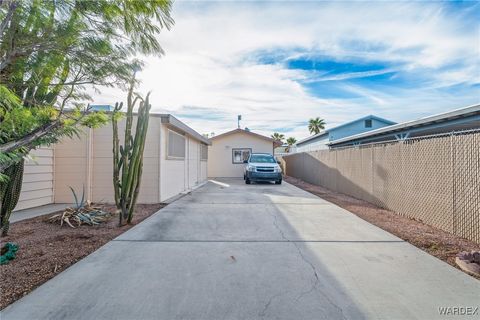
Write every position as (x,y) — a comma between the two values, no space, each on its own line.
(247,181)
(278,181)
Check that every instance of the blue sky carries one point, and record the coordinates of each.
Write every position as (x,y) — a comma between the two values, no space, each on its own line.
(281,63)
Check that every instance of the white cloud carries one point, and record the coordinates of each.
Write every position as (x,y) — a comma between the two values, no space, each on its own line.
(208,63)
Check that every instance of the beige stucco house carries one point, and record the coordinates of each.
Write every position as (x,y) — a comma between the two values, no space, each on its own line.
(230,149)
(175,160)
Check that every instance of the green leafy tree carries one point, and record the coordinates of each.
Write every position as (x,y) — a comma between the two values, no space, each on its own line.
(278,136)
(290,141)
(316,125)
(18,120)
(50,53)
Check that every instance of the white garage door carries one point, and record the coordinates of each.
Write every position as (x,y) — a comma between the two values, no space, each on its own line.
(37,187)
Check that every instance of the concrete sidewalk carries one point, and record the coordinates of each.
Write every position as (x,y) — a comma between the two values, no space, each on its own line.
(235,251)
(24,214)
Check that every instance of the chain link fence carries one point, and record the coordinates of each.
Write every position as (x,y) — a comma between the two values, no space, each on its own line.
(433,179)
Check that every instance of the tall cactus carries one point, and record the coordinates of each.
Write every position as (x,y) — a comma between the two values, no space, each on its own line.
(10,193)
(128,159)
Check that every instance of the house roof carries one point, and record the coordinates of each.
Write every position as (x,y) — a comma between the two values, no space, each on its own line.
(239,130)
(324,132)
(457,114)
(174,122)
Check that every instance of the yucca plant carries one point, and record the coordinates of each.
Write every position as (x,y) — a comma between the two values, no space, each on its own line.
(128,158)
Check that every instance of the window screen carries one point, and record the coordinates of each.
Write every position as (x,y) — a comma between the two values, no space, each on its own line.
(203,152)
(176,145)
(240,155)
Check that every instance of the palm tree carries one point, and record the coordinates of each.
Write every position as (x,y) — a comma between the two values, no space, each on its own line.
(290,141)
(316,125)
(278,136)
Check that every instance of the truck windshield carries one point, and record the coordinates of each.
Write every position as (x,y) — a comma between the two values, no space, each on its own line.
(262,158)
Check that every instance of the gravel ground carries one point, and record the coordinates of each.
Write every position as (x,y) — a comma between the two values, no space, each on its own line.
(46,249)
(436,242)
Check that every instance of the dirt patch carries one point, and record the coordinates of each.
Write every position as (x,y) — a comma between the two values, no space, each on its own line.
(436,242)
(46,249)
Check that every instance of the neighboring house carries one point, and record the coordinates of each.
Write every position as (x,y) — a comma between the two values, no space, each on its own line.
(320,141)
(456,120)
(230,149)
(175,160)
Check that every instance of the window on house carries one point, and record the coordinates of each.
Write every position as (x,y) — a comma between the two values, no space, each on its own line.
(175,145)
(368,123)
(203,152)
(240,155)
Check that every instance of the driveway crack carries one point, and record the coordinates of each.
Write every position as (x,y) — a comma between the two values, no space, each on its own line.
(267,305)
(310,264)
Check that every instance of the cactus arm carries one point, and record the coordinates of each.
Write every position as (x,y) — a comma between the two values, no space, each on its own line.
(11,193)
(117,163)
(128,159)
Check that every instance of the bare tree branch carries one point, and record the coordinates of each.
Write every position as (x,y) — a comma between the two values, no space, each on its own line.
(8,16)
(31,137)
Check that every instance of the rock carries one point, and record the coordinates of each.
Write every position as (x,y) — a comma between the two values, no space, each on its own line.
(476,256)
(469,262)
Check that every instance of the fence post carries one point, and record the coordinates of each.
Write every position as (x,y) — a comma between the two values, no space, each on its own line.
(454,191)
(337,172)
(372,178)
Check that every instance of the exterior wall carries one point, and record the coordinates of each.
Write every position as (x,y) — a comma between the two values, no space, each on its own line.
(220,153)
(355,127)
(38,179)
(87,163)
(179,175)
(102,168)
(71,167)
(173,171)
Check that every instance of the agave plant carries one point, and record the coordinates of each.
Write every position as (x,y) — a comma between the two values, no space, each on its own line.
(81,213)
(78,204)
(87,215)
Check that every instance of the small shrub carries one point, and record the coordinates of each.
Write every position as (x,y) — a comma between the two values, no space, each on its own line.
(8,252)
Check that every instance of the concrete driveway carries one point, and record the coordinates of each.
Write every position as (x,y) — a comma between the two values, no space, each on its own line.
(236,251)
